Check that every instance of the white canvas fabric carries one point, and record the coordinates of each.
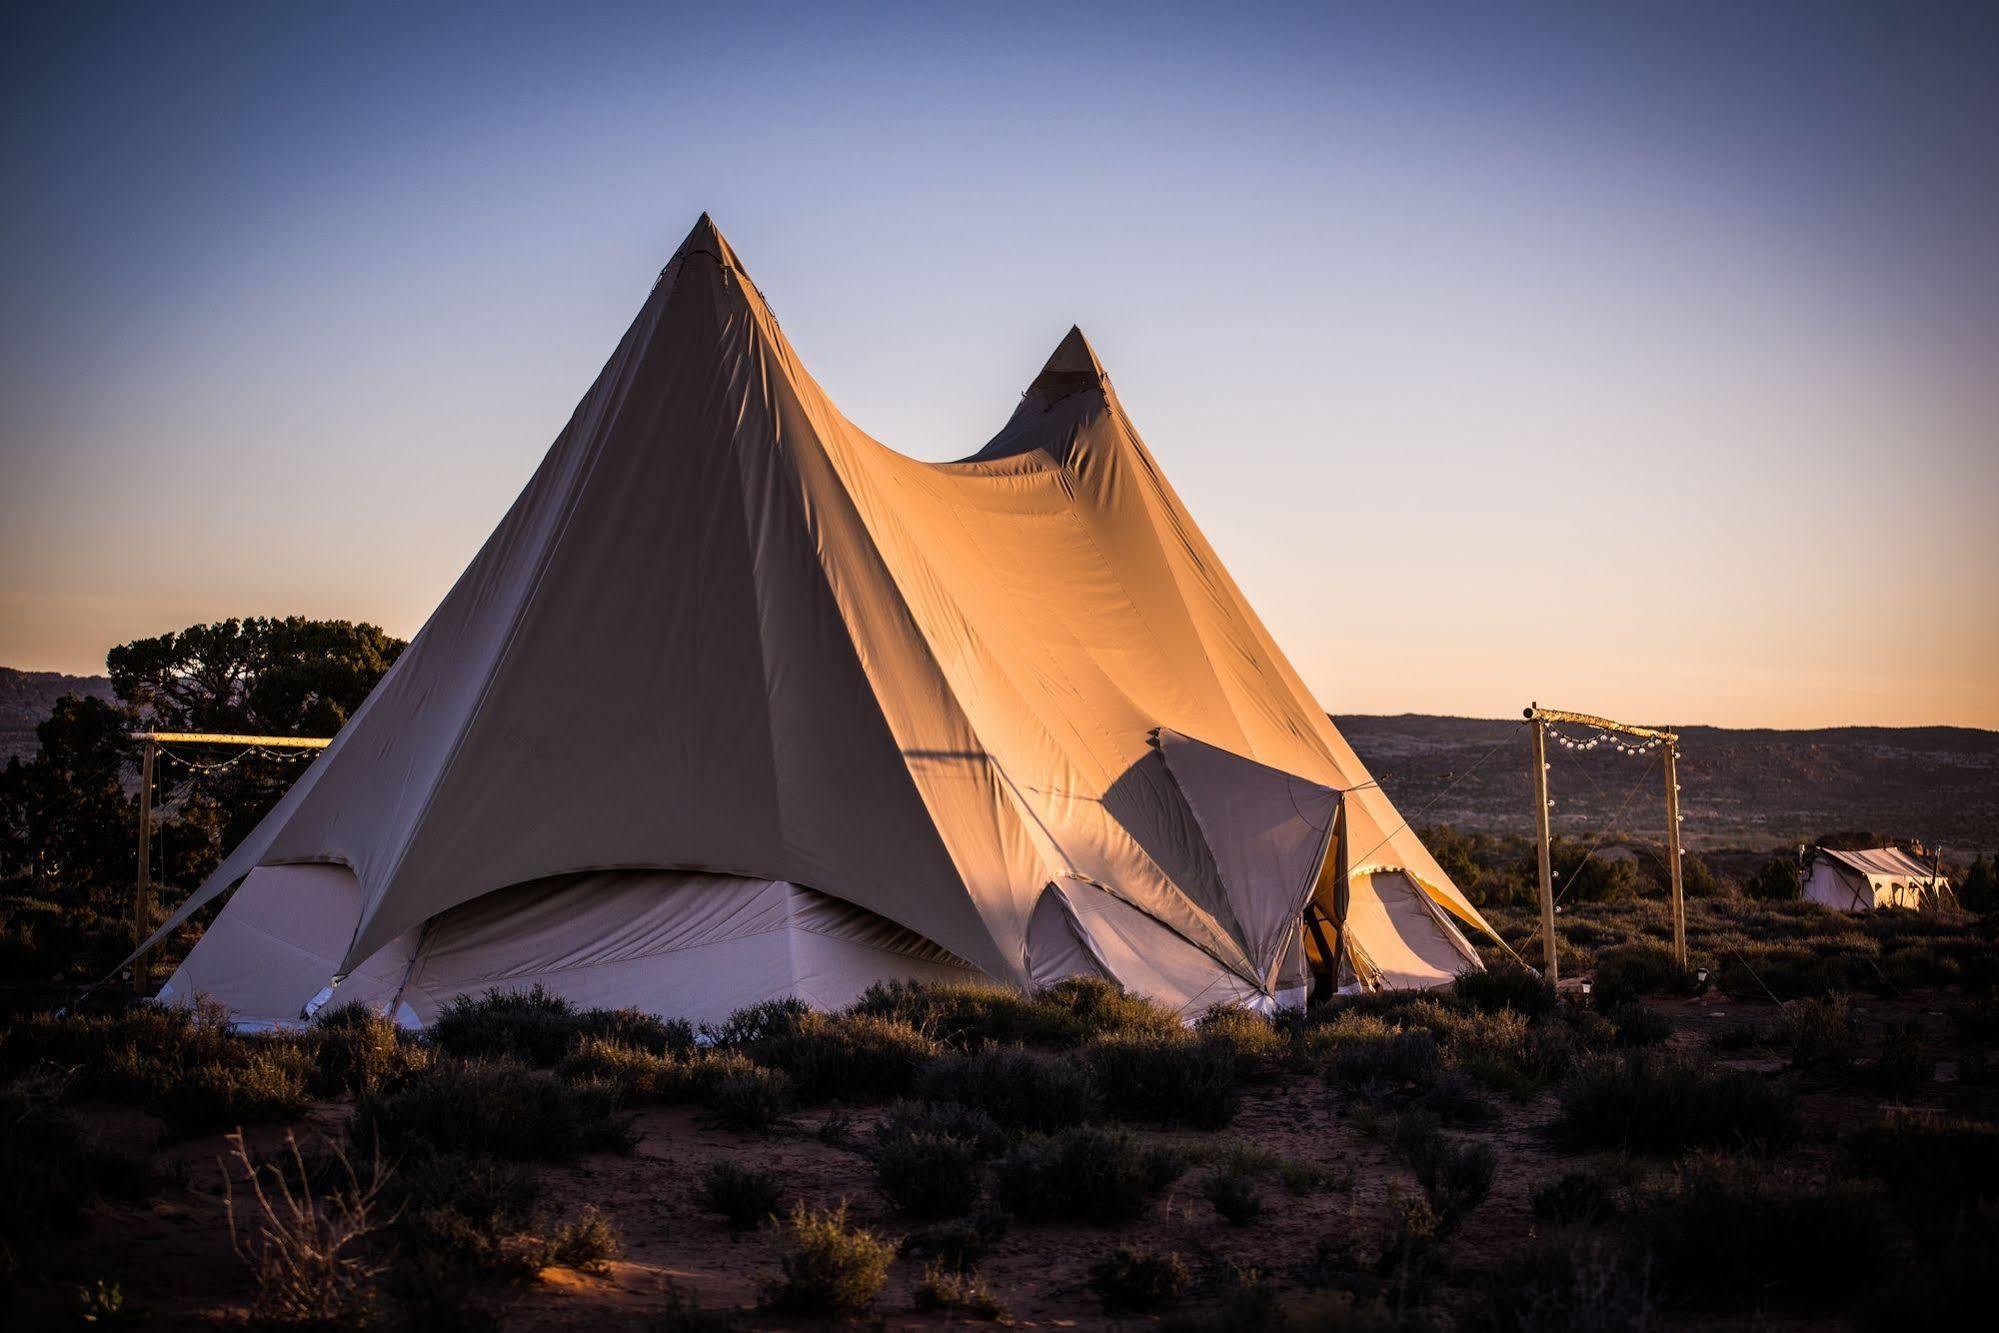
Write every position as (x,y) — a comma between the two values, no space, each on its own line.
(676,943)
(723,630)
(1863,880)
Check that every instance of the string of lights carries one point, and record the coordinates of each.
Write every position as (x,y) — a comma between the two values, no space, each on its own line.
(252,752)
(1617,742)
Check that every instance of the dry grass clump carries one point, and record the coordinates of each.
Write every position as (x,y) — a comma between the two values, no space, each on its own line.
(828,1267)
(954,1291)
(355,1049)
(1245,1034)
(1084,1174)
(305,1248)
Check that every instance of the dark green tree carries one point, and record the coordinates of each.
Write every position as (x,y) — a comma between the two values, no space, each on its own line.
(1980,890)
(1776,879)
(66,816)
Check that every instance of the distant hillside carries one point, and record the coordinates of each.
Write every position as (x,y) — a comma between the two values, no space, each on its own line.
(1758,788)
(26,698)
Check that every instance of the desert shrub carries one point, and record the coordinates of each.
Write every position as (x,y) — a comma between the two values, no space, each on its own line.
(1737,1035)
(1139,1282)
(930,1175)
(849,1057)
(354,1050)
(1820,1034)
(1628,971)
(960,1244)
(1725,1231)
(127,1054)
(828,1267)
(1019,1089)
(743,1195)
(1086,1174)
(1575,1280)
(1586,1197)
(696,1078)
(1235,1196)
(1456,1100)
(1456,1175)
(964,1015)
(305,1249)
(951,1118)
(588,1243)
(1397,1058)
(944,1288)
(1655,1101)
(1504,986)
(632,1073)
(490,1107)
(1244,1033)
(1901,1065)
(53,1168)
(753,1098)
(534,1027)
(1065,1014)
(265,1082)
(637,1028)
(1637,1025)
(758,1023)
(1103,1008)
(1410,1226)
(1937,1170)
(1174,1080)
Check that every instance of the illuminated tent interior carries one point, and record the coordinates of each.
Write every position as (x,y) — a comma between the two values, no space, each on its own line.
(738,703)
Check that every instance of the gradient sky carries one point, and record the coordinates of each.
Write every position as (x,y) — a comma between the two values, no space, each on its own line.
(1634,358)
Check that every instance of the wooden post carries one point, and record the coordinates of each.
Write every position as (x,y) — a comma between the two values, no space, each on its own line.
(1540,731)
(142,891)
(1673,854)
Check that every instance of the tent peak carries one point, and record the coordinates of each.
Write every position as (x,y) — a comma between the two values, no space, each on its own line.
(706,239)
(1071,367)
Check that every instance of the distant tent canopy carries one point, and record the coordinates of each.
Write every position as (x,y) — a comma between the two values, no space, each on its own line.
(1861,881)
(739,703)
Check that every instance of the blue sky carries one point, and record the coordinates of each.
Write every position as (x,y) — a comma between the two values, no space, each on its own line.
(1642,359)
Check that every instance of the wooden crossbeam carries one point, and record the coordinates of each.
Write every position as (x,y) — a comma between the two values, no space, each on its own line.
(1538,714)
(222,738)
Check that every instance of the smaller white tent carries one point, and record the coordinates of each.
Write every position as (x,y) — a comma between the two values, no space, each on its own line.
(1877,877)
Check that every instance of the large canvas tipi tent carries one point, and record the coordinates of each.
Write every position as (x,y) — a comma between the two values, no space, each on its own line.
(738,702)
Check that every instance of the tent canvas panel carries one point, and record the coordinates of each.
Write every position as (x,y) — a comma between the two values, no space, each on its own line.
(676,944)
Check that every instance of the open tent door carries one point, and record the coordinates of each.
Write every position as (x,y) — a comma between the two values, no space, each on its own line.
(1268,832)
